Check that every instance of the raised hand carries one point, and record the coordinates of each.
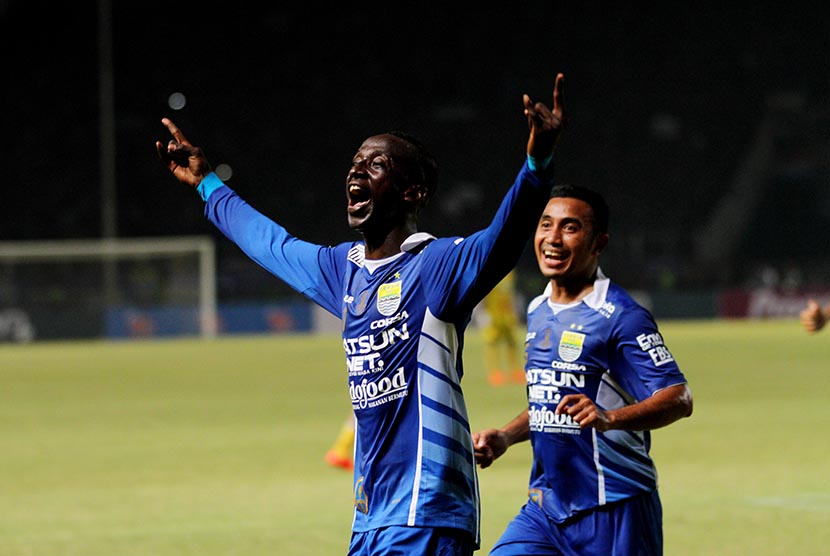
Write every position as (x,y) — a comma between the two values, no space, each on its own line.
(545,124)
(188,163)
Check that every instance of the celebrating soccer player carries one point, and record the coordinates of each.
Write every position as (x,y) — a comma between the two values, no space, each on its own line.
(599,378)
(405,298)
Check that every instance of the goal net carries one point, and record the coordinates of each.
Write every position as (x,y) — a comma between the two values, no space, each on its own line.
(68,289)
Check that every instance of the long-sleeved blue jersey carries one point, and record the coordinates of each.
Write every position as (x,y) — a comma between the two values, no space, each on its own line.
(607,347)
(403,323)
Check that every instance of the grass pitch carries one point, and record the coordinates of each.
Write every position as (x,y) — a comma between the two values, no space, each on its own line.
(191,447)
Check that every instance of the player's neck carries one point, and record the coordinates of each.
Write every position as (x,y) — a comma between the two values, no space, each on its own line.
(565,291)
(387,245)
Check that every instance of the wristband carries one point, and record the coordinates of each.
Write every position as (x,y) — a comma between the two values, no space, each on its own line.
(208,185)
(533,164)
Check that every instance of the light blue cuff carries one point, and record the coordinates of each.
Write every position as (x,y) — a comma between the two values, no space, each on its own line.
(209,184)
(533,164)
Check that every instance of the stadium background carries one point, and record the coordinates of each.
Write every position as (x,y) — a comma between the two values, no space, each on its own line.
(705,127)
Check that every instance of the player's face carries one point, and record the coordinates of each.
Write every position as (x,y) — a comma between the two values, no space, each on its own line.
(565,246)
(376,181)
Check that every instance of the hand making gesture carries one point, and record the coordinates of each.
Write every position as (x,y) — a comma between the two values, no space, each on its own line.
(188,163)
(545,124)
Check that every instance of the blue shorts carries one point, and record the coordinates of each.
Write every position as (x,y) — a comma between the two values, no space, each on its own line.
(406,541)
(631,527)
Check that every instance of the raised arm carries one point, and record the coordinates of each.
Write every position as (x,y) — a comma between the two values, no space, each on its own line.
(482,260)
(307,268)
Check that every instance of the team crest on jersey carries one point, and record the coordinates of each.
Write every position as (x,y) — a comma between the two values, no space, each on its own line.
(570,345)
(389,298)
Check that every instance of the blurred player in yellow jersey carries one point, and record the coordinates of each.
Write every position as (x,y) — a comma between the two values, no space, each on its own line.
(502,352)
(341,453)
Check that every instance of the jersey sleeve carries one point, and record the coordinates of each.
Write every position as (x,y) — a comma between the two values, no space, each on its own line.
(640,360)
(461,271)
(310,269)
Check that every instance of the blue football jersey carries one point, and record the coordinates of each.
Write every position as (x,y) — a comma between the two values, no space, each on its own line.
(403,324)
(607,347)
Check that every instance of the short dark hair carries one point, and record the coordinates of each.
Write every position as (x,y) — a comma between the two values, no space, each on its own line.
(596,201)
(424,161)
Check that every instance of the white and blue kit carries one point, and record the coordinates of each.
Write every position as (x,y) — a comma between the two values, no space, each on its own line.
(403,323)
(607,347)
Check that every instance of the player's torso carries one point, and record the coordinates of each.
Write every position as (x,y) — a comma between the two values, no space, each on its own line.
(382,317)
(576,469)
(566,354)
(406,395)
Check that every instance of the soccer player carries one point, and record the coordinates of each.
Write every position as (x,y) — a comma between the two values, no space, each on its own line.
(814,317)
(341,452)
(405,298)
(502,351)
(599,378)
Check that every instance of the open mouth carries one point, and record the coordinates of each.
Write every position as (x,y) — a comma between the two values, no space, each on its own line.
(551,255)
(358,197)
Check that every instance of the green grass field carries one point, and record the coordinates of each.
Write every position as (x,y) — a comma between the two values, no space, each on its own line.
(216,447)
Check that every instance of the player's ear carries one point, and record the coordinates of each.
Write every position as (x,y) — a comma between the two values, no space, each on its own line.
(416,193)
(601,243)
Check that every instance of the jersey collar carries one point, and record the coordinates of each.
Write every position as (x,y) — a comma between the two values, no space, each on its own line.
(596,298)
(415,240)
(411,243)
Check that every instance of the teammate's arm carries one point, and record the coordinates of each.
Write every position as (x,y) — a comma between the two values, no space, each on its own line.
(662,408)
(490,444)
(813,317)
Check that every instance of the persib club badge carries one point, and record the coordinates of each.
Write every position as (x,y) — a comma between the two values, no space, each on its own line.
(570,345)
(389,298)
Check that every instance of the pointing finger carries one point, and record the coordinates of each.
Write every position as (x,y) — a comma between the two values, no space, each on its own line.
(175,131)
(559,94)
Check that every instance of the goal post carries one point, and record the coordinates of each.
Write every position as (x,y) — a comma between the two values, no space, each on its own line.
(31,270)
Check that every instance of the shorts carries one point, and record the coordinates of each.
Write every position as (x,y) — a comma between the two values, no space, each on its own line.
(631,527)
(406,541)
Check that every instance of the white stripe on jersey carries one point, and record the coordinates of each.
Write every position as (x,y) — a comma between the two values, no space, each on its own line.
(438,347)
(600,472)
(416,481)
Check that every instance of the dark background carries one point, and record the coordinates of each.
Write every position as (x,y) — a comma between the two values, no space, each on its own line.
(667,106)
